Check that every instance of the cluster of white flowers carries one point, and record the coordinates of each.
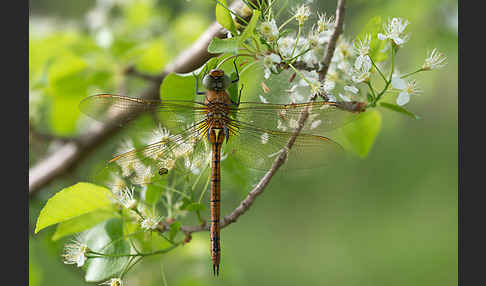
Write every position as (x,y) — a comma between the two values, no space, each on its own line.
(304,49)
(164,149)
(352,63)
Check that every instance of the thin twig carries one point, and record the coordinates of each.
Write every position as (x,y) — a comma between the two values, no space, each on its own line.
(331,46)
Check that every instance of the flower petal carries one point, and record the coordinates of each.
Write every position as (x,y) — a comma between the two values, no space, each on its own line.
(267,73)
(403,98)
(351,89)
(398,83)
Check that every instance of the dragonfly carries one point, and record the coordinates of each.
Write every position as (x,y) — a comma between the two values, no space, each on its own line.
(253,132)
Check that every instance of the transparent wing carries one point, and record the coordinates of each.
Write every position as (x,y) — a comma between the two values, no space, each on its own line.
(286,96)
(258,148)
(104,107)
(145,166)
(323,116)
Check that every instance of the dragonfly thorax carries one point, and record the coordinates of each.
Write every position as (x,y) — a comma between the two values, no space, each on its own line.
(216,80)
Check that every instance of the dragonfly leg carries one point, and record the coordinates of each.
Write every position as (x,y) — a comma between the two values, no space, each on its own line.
(226,133)
(197,85)
(236,69)
(239,98)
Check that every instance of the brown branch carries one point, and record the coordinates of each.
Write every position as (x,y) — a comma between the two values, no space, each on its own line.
(260,187)
(331,46)
(70,154)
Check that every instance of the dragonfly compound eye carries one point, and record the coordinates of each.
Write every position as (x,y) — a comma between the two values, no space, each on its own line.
(207,82)
(216,80)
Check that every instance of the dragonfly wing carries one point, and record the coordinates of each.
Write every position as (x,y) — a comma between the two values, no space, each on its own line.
(147,165)
(105,107)
(323,116)
(258,148)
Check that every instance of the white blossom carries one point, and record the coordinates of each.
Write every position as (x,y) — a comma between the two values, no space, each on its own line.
(183,149)
(407,89)
(191,166)
(116,183)
(344,97)
(269,30)
(75,252)
(158,134)
(113,282)
(344,50)
(351,89)
(394,29)
(315,123)
(262,99)
(362,74)
(125,198)
(313,40)
(269,63)
(150,222)
(264,138)
(435,60)
(325,24)
(302,13)
(143,174)
(285,46)
(362,47)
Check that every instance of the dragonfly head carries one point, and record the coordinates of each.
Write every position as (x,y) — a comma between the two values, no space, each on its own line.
(216,80)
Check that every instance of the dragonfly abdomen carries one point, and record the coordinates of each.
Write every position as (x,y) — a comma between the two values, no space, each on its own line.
(216,138)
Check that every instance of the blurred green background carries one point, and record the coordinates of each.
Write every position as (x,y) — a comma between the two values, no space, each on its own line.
(389,219)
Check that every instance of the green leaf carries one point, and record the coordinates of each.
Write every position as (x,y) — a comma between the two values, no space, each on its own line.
(373,27)
(223,16)
(154,191)
(399,109)
(71,202)
(359,135)
(195,207)
(174,229)
(82,222)
(230,45)
(211,64)
(250,28)
(107,238)
(178,87)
